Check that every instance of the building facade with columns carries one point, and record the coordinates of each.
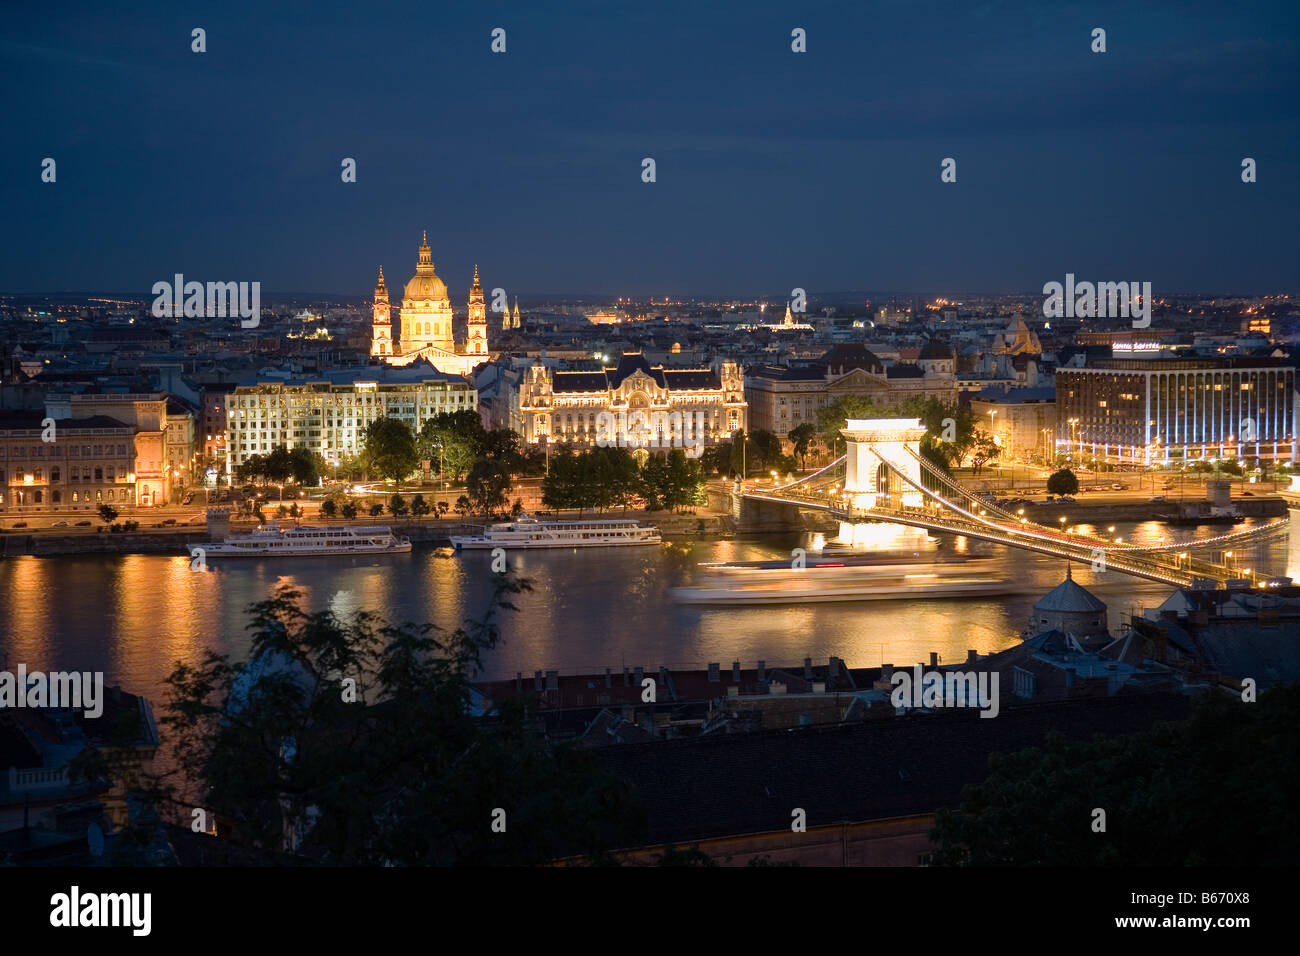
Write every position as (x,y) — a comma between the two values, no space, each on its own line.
(632,404)
(1178,409)
(425,317)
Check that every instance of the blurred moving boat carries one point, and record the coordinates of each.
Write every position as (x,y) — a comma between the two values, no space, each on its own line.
(895,578)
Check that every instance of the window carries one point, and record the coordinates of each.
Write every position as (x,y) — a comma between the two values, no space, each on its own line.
(57,497)
(75,498)
(54,476)
(37,495)
(38,474)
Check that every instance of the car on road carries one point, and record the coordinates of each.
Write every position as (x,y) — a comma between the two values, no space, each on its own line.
(83,524)
(1065,500)
(1248,494)
(1119,487)
(1157,499)
(59,524)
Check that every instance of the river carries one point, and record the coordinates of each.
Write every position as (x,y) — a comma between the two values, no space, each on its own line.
(133,616)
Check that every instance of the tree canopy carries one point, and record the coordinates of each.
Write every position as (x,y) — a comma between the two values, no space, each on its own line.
(1216,790)
(354,742)
(390,447)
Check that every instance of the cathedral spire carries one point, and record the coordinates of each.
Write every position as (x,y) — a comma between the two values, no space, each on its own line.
(476,287)
(426,256)
(380,289)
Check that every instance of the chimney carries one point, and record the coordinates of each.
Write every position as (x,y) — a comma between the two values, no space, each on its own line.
(552,680)
(807,668)
(608,679)
(735,672)
(714,676)
(971,656)
(934,659)
(537,680)
(762,671)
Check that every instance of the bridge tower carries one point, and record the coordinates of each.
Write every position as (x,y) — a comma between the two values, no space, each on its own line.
(877,450)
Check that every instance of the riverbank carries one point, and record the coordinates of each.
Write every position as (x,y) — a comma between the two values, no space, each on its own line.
(432,532)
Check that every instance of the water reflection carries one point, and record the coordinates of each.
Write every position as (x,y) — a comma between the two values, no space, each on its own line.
(132,616)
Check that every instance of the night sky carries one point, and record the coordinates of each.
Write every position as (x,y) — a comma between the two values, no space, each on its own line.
(774,169)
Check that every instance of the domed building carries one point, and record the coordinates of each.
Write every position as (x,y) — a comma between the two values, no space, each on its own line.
(1073,610)
(426,322)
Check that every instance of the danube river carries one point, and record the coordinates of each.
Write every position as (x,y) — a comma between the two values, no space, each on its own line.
(132,616)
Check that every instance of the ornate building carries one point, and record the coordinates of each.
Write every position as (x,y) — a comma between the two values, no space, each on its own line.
(783,397)
(633,404)
(426,322)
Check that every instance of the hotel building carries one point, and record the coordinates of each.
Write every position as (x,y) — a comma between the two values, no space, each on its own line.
(566,407)
(1171,409)
(328,413)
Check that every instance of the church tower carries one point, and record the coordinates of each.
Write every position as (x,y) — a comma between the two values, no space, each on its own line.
(514,319)
(476,326)
(381,335)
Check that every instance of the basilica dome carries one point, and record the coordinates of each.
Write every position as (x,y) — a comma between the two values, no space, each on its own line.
(425,285)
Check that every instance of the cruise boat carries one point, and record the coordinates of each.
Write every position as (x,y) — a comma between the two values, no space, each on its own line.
(892,579)
(271,540)
(529,532)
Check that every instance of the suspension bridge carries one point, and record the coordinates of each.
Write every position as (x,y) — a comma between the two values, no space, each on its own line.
(883,477)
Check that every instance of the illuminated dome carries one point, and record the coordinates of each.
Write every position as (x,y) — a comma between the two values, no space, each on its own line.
(425,286)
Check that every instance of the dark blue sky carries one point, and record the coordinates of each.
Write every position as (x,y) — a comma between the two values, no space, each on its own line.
(775,169)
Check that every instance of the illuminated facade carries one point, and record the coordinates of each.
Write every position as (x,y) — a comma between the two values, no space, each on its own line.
(426,322)
(578,408)
(89,463)
(1149,410)
(329,414)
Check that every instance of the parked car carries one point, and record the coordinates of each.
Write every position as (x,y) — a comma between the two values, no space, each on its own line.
(169,522)
(20,524)
(83,524)
(1248,494)
(188,498)
(1065,500)
(59,524)
(1119,487)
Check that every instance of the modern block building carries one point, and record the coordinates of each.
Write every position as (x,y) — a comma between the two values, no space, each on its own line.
(328,413)
(1178,409)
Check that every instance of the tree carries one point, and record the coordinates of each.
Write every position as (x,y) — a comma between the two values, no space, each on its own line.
(419,507)
(376,510)
(1063,482)
(764,448)
(349,510)
(452,441)
(328,508)
(397,505)
(802,437)
(400,772)
(1169,795)
(486,485)
(462,506)
(107,514)
(443,508)
(984,449)
(390,447)
(279,465)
